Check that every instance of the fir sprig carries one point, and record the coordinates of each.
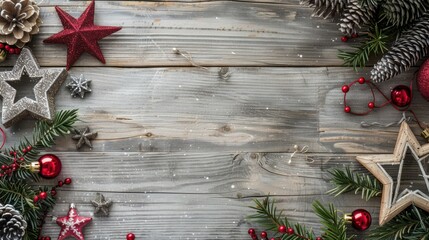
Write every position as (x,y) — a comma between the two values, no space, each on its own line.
(413,223)
(346,181)
(270,218)
(334,227)
(376,42)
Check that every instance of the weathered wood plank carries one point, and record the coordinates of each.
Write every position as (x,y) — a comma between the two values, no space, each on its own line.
(221,33)
(257,109)
(200,194)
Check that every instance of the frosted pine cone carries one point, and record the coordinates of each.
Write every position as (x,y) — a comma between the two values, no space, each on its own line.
(19,19)
(355,16)
(400,13)
(325,8)
(405,52)
(12,224)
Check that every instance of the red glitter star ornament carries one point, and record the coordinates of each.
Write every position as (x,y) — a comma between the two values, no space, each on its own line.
(81,35)
(72,224)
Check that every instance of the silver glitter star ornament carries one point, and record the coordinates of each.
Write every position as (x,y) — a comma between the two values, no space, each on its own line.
(78,86)
(101,204)
(43,107)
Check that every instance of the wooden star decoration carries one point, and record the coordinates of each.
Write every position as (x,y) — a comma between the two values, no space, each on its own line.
(84,137)
(392,201)
(101,204)
(72,225)
(43,107)
(81,35)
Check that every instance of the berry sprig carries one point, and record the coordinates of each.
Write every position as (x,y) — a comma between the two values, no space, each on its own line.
(42,195)
(10,48)
(282,230)
(17,161)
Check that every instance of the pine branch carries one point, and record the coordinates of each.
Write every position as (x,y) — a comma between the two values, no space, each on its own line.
(44,135)
(270,218)
(411,224)
(334,227)
(375,43)
(346,181)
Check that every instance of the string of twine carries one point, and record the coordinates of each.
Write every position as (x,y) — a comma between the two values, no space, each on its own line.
(223,72)
(404,118)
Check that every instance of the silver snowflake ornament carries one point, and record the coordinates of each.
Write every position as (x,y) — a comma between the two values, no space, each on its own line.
(78,86)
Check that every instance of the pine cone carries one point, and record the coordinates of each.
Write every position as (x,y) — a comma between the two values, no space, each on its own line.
(355,16)
(325,8)
(405,52)
(400,13)
(19,19)
(12,224)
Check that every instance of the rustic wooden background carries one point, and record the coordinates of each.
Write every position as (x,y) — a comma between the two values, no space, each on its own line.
(181,152)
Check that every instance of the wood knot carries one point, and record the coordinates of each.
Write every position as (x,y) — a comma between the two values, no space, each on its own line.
(225,128)
(149,134)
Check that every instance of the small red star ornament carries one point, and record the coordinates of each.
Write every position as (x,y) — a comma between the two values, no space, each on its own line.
(81,35)
(72,224)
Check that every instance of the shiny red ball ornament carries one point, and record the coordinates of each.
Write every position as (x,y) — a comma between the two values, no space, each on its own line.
(371,105)
(344,38)
(423,80)
(282,229)
(131,236)
(360,218)
(345,89)
(50,166)
(263,234)
(361,80)
(401,96)
(347,109)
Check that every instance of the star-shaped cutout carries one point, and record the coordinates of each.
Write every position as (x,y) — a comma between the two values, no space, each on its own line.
(84,137)
(392,201)
(72,225)
(81,35)
(101,205)
(79,86)
(43,106)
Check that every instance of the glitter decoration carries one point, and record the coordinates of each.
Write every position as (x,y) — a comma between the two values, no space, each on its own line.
(101,204)
(81,35)
(78,86)
(43,107)
(72,225)
(84,137)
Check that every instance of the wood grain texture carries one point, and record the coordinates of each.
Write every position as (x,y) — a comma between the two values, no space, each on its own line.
(195,195)
(220,33)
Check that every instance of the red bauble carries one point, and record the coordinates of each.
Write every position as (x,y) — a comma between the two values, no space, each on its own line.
(131,236)
(423,80)
(263,234)
(361,219)
(361,80)
(401,96)
(282,229)
(347,109)
(251,231)
(50,166)
(371,105)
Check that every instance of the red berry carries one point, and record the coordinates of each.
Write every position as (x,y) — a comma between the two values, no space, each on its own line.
(282,229)
(272,239)
(251,231)
(290,231)
(43,195)
(36,199)
(263,234)
(21,159)
(24,150)
(11,50)
(130,236)
(68,181)
(347,109)
(7,47)
(53,192)
(60,183)
(28,147)
(371,105)
(4,167)
(344,38)
(319,238)
(355,35)
(361,80)
(345,88)
(1,45)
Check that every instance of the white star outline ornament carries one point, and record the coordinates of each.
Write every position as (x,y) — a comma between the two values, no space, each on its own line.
(72,224)
(43,107)
(392,201)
